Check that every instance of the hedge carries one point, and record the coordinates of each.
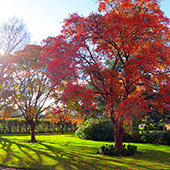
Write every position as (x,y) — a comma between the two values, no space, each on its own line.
(14,126)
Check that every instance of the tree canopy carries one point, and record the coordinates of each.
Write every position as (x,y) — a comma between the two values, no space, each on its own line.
(14,35)
(31,88)
(134,38)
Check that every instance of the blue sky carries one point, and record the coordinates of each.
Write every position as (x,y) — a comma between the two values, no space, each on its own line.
(44,17)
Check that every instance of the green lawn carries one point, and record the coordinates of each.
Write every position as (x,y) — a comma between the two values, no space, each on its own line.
(66,151)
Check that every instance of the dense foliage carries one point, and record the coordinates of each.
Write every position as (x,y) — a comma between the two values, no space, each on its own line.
(125,151)
(133,37)
(30,87)
(156,137)
(19,126)
(95,129)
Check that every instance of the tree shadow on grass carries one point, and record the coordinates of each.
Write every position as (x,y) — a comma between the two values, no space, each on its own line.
(81,160)
(25,156)
(60,158)
(160,158)
(6,146)
(51,156)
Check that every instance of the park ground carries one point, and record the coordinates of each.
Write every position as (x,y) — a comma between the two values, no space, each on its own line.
(67,152)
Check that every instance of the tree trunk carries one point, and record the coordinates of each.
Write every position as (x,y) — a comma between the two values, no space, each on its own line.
(62,128)
(118,133)
(32,125)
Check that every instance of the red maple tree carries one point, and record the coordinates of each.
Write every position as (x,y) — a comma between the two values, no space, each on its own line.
(120,54)
(62,115)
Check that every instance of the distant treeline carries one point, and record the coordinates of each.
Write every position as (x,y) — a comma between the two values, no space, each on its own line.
(17,126)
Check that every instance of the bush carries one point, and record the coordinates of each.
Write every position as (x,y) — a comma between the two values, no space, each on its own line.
(131,134)
(166,137)
(156,137)
(96,129)
(110,150)
(158,126)
(131,137)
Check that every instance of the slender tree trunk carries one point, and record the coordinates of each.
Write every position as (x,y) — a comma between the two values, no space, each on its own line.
(32,126)
(62,128)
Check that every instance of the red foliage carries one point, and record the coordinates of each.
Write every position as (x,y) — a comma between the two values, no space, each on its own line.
(121,54)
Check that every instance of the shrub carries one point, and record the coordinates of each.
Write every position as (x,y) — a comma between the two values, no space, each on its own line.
(131,137)
(156,137)
(158,126)
(166,137)
(110,150)
(131,134)
(95,129)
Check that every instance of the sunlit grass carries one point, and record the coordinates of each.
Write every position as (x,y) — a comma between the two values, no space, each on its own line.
(61,152)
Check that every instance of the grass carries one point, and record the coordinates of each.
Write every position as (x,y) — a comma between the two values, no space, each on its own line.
(62,152)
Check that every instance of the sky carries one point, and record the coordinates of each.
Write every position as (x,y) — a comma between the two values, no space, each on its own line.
(44,18)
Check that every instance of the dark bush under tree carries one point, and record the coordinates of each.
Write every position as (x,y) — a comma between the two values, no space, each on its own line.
(96,129)
(125,151)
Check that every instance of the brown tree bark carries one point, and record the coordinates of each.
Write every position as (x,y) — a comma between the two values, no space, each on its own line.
(118,132)
(32,126)
(62,128)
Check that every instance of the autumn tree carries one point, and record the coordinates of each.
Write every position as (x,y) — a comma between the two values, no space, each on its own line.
(14,35)
(133,37)
(64,114)
(6,64)
(31,88)
(65,110)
